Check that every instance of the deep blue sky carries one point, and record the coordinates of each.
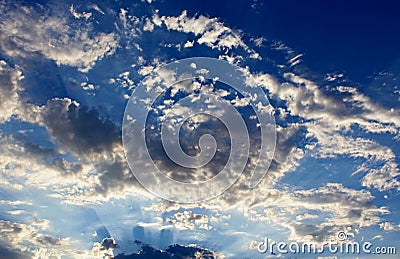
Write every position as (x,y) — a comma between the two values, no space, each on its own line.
(356,37)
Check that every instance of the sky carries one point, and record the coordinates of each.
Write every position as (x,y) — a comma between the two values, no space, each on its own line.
(71,186)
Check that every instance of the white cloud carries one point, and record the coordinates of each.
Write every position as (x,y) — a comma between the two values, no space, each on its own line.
(77,15)
(209,31)
(189,220)
(30,242)
(259,42)
(22,237)
(9,87)
(187,24)
(145,70)
(383,178)
(26,32)
(306,216)
(337,207)
(331,114)
(149,26)
(15,203)
(387,226)
(295,60)
(188,44)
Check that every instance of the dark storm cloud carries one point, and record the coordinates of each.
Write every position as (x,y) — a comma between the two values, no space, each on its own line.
(7,253)
(109,243)
(79,128)
(172,252)
(93,140)
(114,175)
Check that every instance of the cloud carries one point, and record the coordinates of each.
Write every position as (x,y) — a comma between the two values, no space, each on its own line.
(25,31)
(109,243)
(209,31)
(85,164)
(337,108)
(24,241)
(189,220)
(14,203)
(188,44)
(149,26)
(79,129)
(77,15)
(7,252)
(387,226)
(23,158)
(9,88)
(330,116)
(21,237)
(382,178)
(173,251)
(93,140)
(197,26)
(332,208)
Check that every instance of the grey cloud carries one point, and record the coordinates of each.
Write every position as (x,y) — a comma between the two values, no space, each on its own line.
(50,157)
(114,176)
(7,253)
(80,129)
(93,140)
(9,87)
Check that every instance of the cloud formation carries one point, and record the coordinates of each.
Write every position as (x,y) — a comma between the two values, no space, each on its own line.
(85,163)
(26,32)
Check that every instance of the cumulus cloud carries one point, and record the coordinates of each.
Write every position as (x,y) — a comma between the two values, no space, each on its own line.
(330,116)
(189,220)
(92,139)
(25,241)
(332,208)
(78,128)
(382,178)
(83,143)
(23,157)
(9,88)
(21,237)
(26,31)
